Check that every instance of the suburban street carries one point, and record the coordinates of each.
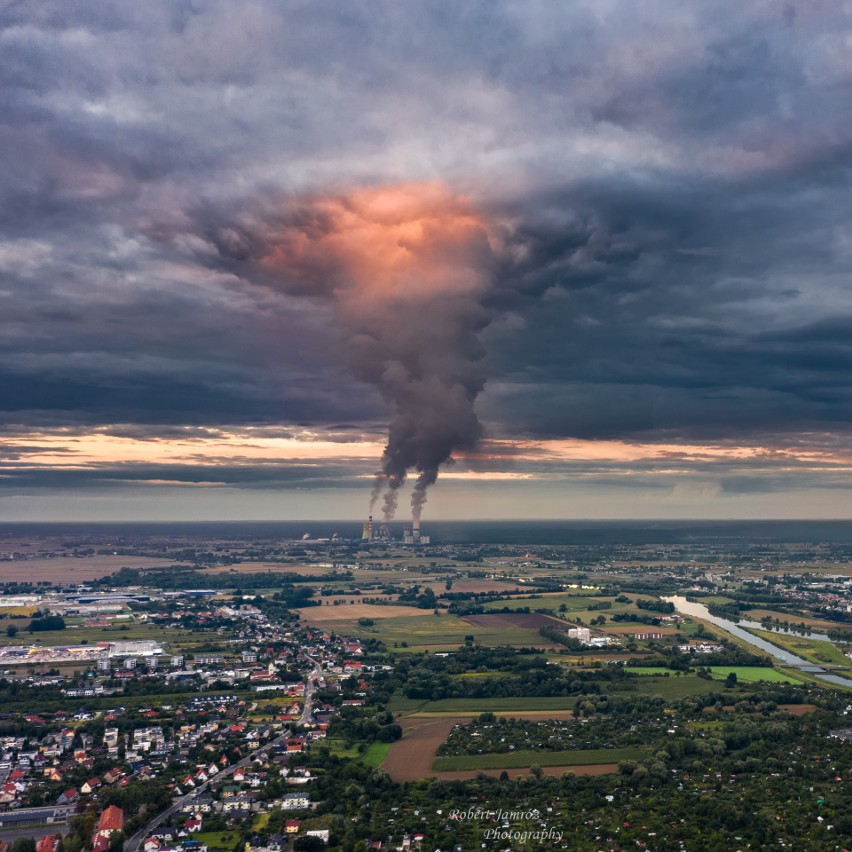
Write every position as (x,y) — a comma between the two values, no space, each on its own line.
(133,844)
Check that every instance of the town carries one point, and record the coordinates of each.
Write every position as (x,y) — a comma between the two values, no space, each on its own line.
(343,694)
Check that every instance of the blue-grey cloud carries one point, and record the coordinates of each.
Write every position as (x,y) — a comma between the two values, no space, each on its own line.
(670,186)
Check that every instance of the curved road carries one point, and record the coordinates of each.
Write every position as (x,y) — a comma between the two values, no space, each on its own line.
(133,844)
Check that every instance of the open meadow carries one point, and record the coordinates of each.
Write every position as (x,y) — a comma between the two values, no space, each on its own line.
(814,650)
(414,629)
(753,674)
(69,570)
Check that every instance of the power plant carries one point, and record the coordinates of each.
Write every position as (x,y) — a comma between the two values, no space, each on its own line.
(411,536)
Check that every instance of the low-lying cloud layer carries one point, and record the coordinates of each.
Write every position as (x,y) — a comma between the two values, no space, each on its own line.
(530,222)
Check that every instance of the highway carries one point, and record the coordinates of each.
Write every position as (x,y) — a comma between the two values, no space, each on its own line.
(133,844)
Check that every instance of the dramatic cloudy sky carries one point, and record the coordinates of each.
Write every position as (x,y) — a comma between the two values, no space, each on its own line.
(598,252)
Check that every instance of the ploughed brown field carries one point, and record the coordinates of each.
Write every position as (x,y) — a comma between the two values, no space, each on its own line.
(798,709)
(483,586)
(273,567)
(350,612)
(629,628)
(411,758)
(69,569)
(509,620)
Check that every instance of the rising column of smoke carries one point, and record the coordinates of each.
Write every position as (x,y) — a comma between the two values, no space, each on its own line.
(406,270)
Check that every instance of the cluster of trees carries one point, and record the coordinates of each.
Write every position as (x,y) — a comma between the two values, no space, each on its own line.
(561,637)
(293,596)
(636,617)
(665,607)
(422,599)
(44,623)
(532,677)
(354,725)
(180,577)
(614,723)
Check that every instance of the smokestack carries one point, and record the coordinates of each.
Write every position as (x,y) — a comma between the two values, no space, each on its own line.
(407,272)
(415,530)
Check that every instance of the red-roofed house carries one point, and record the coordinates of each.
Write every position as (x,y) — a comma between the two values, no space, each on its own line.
(50,843)
(90,786)
(68,797)
(112,819)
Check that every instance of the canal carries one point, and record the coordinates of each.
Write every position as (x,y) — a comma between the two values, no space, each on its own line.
(697,610)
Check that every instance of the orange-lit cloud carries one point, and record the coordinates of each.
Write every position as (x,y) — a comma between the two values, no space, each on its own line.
(247,447)
(405,268)
(410,243)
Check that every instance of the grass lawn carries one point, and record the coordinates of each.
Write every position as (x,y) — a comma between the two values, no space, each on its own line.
(259,822)
(751,674)
(218,839)
(337,747)
(522,759)
(375,754)
(814,650)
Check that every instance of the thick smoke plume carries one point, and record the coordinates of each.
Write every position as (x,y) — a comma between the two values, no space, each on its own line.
(406,270)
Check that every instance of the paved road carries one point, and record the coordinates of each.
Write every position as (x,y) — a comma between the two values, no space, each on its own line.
(133,844)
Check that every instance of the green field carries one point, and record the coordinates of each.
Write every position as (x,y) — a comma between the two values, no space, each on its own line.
(752,674)
(218,839)
(435,632)
(814,650)
(453,706)
(670,687)
(375,754)
(337,747)
(520,759)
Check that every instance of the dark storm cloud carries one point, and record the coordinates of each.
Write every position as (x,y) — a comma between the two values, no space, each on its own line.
(690,311)
(670,185)
(272,475)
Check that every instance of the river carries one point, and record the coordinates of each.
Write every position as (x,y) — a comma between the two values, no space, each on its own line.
(682,605)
